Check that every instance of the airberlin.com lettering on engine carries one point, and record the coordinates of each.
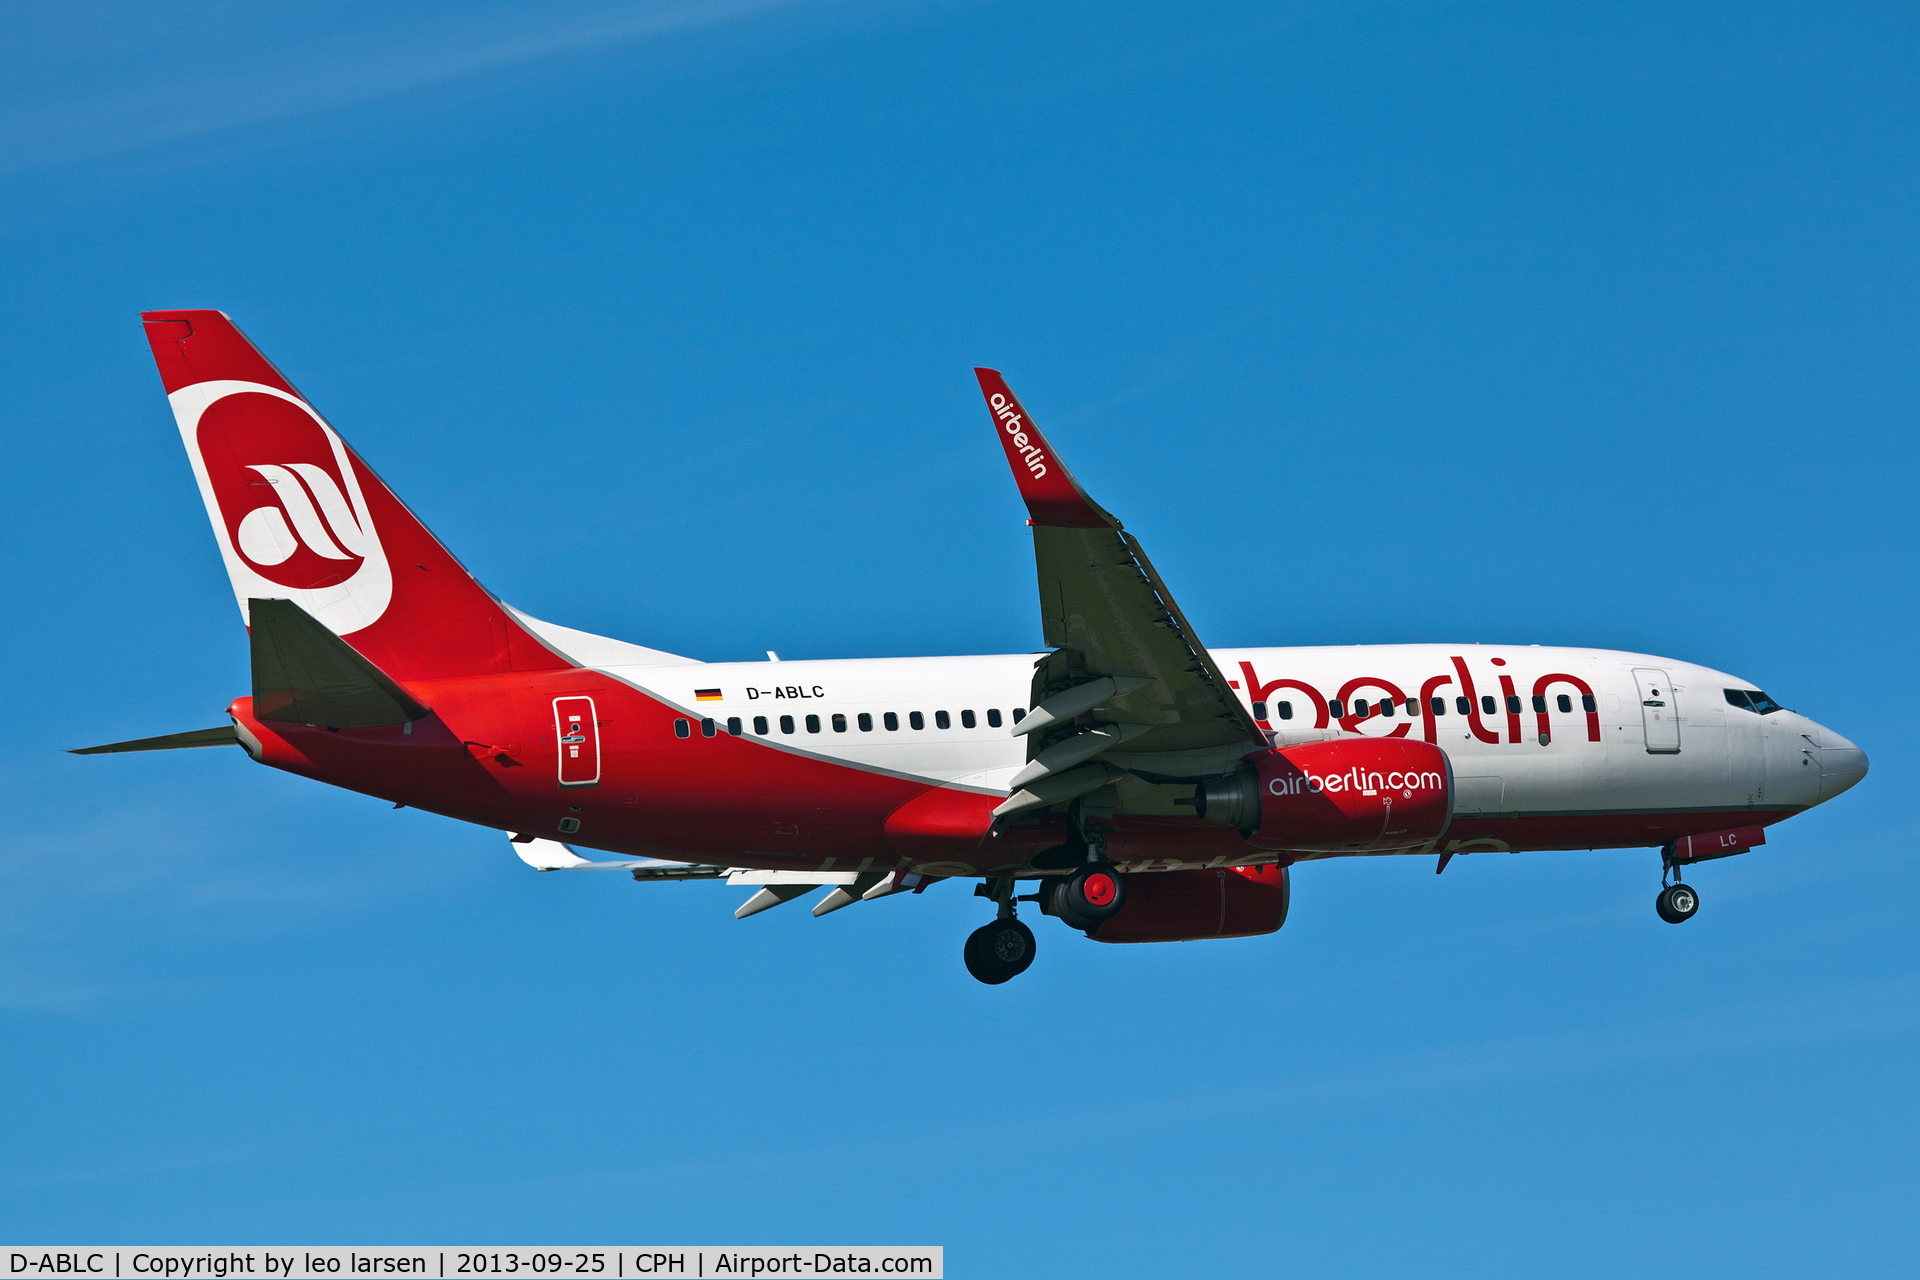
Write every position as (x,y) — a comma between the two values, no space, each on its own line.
(1355,780)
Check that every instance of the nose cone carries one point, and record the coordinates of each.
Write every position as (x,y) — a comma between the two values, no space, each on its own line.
(1841,764)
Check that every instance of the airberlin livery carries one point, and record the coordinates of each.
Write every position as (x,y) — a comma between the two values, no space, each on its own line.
(1127,780)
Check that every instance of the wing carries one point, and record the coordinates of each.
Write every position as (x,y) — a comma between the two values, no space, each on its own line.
(1128,685)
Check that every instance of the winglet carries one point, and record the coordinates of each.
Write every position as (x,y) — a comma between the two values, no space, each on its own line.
(1052,495)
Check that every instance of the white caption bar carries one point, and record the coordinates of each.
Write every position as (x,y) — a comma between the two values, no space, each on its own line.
(459,1262)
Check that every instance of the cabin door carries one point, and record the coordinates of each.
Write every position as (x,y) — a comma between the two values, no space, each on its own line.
(1659,711)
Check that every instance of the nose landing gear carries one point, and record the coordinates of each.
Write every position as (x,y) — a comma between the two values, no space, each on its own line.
(1677,903)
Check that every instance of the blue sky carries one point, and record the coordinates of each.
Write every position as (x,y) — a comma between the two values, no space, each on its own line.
(1585,324)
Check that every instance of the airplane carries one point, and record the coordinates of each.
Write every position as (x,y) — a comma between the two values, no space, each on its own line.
(1143,786)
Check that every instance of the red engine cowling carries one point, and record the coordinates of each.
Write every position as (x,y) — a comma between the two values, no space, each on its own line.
(1188,906)
(1344,795)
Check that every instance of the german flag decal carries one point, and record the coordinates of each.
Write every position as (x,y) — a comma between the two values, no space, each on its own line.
(706,695)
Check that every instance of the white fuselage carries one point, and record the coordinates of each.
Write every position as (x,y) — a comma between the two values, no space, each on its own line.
(1658,736)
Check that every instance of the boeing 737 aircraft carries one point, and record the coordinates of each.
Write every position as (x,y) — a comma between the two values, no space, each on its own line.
(1129,781)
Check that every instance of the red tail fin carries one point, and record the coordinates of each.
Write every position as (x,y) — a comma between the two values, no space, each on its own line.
(300,517)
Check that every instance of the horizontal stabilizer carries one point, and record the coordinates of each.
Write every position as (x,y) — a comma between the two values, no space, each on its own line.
(551,855)
(305,673)
(224,736)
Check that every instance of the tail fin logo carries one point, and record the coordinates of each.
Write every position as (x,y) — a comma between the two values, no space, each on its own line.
(318,511)
(285,501)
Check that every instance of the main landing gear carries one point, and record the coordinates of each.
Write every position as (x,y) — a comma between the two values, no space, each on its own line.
(1085,900)
(1002,950)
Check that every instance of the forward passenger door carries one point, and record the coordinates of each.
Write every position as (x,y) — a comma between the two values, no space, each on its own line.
(1659,711)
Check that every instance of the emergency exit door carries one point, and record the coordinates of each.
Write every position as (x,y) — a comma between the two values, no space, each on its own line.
(1659,711)
(579,740)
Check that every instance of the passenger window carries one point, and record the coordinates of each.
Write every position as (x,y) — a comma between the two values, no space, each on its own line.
(916,720)
(1259,711)
(1386,707)
(1513,704)
(1462,706)
(1285,709)
(993,717)
(813,724)
(1360,708)
(941,720)
(1413,706)
(786,724)
(1539,702)
(1587,703)
(892,721)
(760,725)
(733,725)
(966,720)
(866,722)
(1019,714)
(839,723)
(681,729)
(1438,706)
(1487,706)
(706,728)
(1335,710)
(1564,702)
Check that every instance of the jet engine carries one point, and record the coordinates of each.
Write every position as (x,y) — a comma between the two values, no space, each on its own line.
(1344,795)
(1188,906)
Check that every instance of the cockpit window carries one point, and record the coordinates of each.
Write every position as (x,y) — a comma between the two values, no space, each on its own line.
(1752,700)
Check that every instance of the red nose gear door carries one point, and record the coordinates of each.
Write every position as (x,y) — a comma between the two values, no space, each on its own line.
(579,739)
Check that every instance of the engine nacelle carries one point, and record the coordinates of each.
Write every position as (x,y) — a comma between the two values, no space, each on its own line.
(1346,795)
(1189,906)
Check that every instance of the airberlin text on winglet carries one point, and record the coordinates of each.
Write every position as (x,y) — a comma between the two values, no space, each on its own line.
(1036,459)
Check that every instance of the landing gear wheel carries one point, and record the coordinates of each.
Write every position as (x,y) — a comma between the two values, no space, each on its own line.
(1677,903)
(999,951)
(1090,896)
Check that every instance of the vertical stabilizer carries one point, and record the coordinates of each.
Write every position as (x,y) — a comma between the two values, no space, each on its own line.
(299,516)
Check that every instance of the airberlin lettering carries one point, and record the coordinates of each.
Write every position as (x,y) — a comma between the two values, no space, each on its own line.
(788,691)
(1011,422)
(1354,780)
(1421,710)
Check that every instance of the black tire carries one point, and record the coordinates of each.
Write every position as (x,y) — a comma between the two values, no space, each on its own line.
(1677,903)
(999,951)
(1060,905)
(1093,894)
